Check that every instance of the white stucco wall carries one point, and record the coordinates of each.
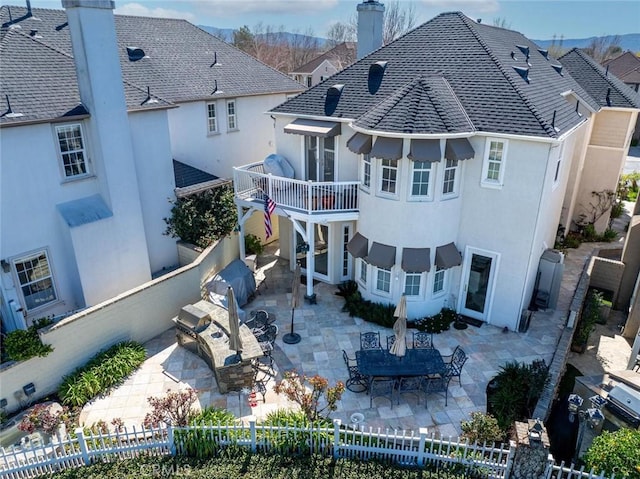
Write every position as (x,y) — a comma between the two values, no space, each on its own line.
(152,153)
(324,70)
(218,153)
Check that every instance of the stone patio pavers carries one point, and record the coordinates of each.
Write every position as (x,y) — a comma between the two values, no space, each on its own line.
(325,331)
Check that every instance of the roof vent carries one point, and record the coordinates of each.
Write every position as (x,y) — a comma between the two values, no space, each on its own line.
(215,88)
(523,72)
(544,53)
(376,72)
(608,98)
(523,49)
(135,54)
(9,113)
(215,60)
(513,55)
(558,68)
(606,72)
(578,108)
(149,100)
(553,122)
(34,34)
(332,98)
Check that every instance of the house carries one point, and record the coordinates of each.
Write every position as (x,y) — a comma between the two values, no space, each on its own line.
(605,147)
(626,67)
(95,108)
(435,167)
(325,65)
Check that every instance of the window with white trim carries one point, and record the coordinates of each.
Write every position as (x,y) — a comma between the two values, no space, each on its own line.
(232,120)
(212,121)
(383,280)
(366,171)
(420,179)
(412,284)
(72,150)
(388,176)
(494,163)
(449,184)
(363,272)
(439,281)
(35,279)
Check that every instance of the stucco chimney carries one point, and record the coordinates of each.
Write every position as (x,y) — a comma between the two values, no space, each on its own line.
(370,20)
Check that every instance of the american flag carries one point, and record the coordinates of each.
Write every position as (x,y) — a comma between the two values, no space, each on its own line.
(269,207)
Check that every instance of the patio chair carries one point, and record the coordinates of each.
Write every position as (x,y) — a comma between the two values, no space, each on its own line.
(422,340)
(409,384)
(456,361)
(438,384)
(636,366)
(357,381)
(260,380)
(381,387)
(370,340)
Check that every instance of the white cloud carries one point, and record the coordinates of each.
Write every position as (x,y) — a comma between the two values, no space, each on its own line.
(139,10)
(478,6)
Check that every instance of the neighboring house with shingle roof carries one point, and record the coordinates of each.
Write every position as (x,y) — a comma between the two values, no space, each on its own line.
(87,142)
(608,142)
(446,156)
(325,64)
(626,67)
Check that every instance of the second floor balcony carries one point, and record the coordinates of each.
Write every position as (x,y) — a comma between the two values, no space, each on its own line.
(297,197)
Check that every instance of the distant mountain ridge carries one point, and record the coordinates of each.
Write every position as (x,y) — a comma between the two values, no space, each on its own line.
(628,41)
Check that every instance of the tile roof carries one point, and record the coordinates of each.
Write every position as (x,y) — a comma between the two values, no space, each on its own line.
(186,175)
(177,66)
(477,61)
(622,64)
(595,80)
(340,56)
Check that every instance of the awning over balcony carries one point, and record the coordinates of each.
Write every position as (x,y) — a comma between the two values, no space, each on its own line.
(303,126)
(458,149)
(360,144)
(416,260)
(382,255)
(425,150)
(448,256)
(358,246)
(387,148)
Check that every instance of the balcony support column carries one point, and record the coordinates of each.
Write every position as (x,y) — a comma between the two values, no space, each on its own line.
(311,262)
(241,220)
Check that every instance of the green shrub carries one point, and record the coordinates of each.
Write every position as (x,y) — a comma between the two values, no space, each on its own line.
(252,244)
(609,235)
(355,305)
(203,218)
(512,395)
(105,370)
(482,428)
(292,441)
(206,441)
(617,209)
(615,453)
(437,323)
(589,316)
(21,344)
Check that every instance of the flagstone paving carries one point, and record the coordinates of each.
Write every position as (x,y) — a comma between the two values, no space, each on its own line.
(325,331)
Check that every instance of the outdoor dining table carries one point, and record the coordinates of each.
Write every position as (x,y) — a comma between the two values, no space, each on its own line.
(415,362)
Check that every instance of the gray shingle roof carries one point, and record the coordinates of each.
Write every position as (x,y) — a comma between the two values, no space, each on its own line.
(425,105)
(594,78)
(476,61)
(187,175)
(176,68)
(340,56)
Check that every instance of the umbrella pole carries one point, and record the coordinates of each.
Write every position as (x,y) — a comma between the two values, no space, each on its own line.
(291,338)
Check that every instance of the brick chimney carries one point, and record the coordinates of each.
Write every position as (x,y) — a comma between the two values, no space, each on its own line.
(370,22)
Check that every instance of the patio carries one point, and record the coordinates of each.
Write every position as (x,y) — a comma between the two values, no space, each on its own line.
(325,331)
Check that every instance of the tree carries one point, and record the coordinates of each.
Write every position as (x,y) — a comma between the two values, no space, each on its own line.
(615,452)
(295,387)
(398,20)
(176,408)
(556,49)
(501,22)
(203,218)
(244,39)
(603,48)
(340,32)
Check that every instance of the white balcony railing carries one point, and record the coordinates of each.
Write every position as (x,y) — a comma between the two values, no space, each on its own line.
(310,197)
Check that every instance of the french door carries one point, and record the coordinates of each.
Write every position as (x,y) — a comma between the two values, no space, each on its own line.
(477,285)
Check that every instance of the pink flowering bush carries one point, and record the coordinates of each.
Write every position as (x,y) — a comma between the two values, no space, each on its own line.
(307,391)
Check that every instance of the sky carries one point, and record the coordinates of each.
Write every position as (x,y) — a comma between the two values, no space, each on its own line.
(536,19)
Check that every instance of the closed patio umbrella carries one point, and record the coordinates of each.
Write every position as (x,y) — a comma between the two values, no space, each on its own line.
(399,347)
(291,337)
(235,343)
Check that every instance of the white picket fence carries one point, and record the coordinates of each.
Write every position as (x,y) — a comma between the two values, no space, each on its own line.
(411,449)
